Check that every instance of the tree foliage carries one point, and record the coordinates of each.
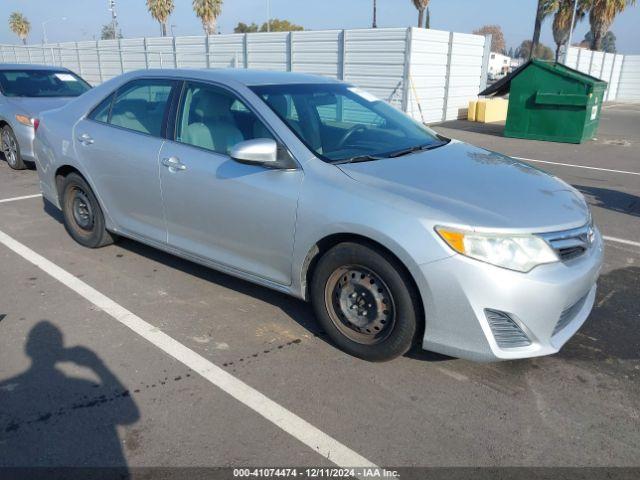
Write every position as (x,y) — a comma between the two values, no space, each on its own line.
(543,10)
(497,37)
(244,28)
(608,42)
(19,25)
(109,33)
(540,51)
(208,11)
(563,13)
(276,25)
(161,10)
(601,16)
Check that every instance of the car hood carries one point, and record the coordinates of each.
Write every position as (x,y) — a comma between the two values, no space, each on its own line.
(32,106)
(468,186)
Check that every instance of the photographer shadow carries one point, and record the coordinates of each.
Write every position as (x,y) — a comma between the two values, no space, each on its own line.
(50,419)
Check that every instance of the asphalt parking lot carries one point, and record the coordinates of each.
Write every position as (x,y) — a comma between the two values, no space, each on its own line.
(91,386)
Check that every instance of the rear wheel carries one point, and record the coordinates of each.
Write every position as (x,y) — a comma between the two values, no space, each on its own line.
(11,149)
(365,302)
(83,217)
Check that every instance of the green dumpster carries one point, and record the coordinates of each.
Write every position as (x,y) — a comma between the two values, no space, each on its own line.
(550,101)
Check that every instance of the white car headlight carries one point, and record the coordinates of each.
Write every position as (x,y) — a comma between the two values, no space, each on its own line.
(515,252)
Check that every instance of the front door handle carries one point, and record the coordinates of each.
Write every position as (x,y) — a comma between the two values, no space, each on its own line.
(85,139)
(174,164)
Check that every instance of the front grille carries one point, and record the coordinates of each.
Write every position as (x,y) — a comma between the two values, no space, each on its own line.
(569,314)
(571,244)
(506,332)
(571,252)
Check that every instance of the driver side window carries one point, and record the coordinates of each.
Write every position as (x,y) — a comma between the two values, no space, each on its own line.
(215,119)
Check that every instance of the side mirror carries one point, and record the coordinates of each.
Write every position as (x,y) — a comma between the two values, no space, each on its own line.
(261,151)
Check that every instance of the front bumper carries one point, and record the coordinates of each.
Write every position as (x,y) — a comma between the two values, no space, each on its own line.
(458,290)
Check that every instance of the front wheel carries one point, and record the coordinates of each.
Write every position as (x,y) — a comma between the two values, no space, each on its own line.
(365,302)
(83,217)
(11,149)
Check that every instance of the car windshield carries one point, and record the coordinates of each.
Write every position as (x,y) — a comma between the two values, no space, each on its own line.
(41,83)
(341,123)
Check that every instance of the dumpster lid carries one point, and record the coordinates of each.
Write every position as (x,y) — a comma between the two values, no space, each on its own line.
(503,86)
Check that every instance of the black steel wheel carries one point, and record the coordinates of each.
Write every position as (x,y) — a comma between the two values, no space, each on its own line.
(365,301)
(360,304)
(83,217)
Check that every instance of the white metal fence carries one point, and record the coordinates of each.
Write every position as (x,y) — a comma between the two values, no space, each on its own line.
(629,86)
(446,70)
(430,74)
(621,72)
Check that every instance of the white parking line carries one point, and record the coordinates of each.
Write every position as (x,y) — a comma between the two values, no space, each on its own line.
(621,106)
(15,199)
(576,166)
(295,426)
(621,240)
(458,376)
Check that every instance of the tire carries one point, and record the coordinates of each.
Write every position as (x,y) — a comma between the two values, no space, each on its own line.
(365,302)
(11,149)
(83,217)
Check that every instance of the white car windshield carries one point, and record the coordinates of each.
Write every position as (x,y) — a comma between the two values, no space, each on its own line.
(341,123)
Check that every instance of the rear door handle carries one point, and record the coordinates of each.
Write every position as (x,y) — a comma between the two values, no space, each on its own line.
(174,164)
(85,139)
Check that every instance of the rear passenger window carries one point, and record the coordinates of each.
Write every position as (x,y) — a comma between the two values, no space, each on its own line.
(140,106)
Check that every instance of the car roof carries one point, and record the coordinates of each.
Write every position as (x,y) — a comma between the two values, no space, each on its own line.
(248,77)
(28,66)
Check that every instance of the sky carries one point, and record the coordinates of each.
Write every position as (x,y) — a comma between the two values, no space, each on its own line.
(84,18)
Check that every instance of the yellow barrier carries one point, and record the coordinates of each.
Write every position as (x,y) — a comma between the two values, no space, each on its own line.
(491,110)
(471,113)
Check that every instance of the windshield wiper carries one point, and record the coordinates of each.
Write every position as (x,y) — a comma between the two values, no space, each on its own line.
(417,148)
(360,158)
(398,153)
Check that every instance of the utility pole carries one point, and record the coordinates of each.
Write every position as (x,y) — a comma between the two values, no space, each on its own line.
(375,14)
(573,22)
(114,18)
(45,38)
(268,15)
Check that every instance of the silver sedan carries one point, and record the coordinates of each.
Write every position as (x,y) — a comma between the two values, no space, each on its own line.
(397,235)
(25,92)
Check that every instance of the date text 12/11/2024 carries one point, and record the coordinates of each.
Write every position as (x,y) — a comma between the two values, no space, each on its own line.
(310,472)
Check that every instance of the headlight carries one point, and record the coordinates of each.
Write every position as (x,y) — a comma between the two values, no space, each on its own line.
(515,252)
(23,119)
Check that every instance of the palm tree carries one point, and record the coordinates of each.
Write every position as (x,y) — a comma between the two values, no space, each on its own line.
(19,25)
(601,16)
(208,11)
(545,7)
(562,20)
(161,10)
(421,5)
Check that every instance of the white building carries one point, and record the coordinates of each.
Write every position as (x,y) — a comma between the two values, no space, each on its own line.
(516,62)
(499,65)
